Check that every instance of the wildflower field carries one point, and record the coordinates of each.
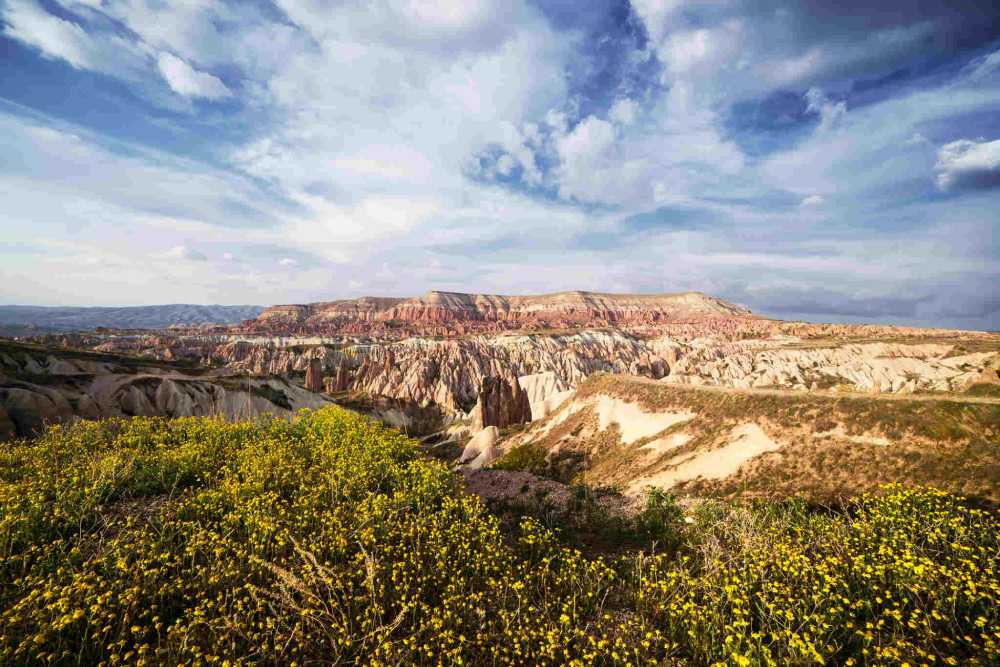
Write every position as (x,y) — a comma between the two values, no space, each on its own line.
(333,540)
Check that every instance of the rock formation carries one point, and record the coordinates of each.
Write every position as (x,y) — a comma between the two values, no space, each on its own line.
(40,387)
(473,311)
(450,372)
(501,403)
(874,367)
(314,375)
(342,380)
(545,392)
(481,449)
(633,434)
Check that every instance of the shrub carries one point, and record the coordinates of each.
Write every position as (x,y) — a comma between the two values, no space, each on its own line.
(332,540)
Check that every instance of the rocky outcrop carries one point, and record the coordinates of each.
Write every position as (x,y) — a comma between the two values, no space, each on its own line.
(40,387)
(481,449)
(314,375)
(563,307)
(342,379)
(450,372)
(785,363)
(501,403)
(545,392)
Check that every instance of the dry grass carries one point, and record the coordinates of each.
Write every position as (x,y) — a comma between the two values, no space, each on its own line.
(832,447)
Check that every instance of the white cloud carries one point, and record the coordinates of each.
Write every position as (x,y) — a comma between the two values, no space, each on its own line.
(813,200)
(189,82)
(657,15)
(968,164)
(506,164)
(185,253)
(829,112)
(287,261)
(585,154)
(61,39)
(623,111)
(863,157)
(984,67)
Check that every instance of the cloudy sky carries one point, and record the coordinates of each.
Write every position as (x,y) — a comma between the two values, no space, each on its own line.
(826,159)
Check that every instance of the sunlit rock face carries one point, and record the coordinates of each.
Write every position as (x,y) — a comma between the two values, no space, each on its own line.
(501,403)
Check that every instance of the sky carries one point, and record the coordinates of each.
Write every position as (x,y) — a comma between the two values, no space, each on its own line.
(831,160)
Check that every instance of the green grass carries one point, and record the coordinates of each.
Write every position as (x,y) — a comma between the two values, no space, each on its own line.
(984,389)
(332,540)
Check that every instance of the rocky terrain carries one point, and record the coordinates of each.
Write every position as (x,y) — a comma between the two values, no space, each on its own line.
(567,306)
(422,364)
(788,363)
(41,386)
(634,434)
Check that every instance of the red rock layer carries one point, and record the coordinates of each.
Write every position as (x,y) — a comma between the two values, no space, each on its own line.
(458,313)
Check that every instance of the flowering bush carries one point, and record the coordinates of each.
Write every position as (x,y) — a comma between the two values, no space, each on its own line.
(332,540)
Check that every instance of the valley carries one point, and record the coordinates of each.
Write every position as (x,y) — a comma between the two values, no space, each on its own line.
(757,406)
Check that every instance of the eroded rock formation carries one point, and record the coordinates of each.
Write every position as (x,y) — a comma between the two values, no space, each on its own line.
(501,403)
(40,387)
(314,375)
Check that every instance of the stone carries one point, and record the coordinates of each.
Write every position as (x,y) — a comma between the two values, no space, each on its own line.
(481,449)
(501,403)
(314,375)
(342,380)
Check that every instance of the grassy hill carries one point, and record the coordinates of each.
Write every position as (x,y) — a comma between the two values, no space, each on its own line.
(630,433)
(332,540)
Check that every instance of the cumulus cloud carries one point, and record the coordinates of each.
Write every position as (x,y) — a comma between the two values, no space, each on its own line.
(623,111)
(967,164)
(440,144)
(189,82)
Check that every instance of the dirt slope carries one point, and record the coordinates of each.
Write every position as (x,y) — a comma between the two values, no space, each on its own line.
(635,433)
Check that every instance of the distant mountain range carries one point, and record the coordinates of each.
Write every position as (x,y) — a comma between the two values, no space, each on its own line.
(14,319)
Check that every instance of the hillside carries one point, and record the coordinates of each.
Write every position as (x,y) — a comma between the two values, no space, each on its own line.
(331,540)
(40,385)
(559,309)
(58,318)
(635,433)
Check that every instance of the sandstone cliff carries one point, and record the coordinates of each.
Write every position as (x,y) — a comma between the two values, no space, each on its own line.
(501,403)
(560,309)
(875,367)
(450,372)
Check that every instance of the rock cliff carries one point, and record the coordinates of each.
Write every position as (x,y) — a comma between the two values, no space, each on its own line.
(874,367)
(556,310)
(501,403)
(450,372)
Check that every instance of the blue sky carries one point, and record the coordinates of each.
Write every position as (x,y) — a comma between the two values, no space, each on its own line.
(829,160)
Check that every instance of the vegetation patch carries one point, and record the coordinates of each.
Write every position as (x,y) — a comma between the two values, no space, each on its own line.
(990,389)
(331,539)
